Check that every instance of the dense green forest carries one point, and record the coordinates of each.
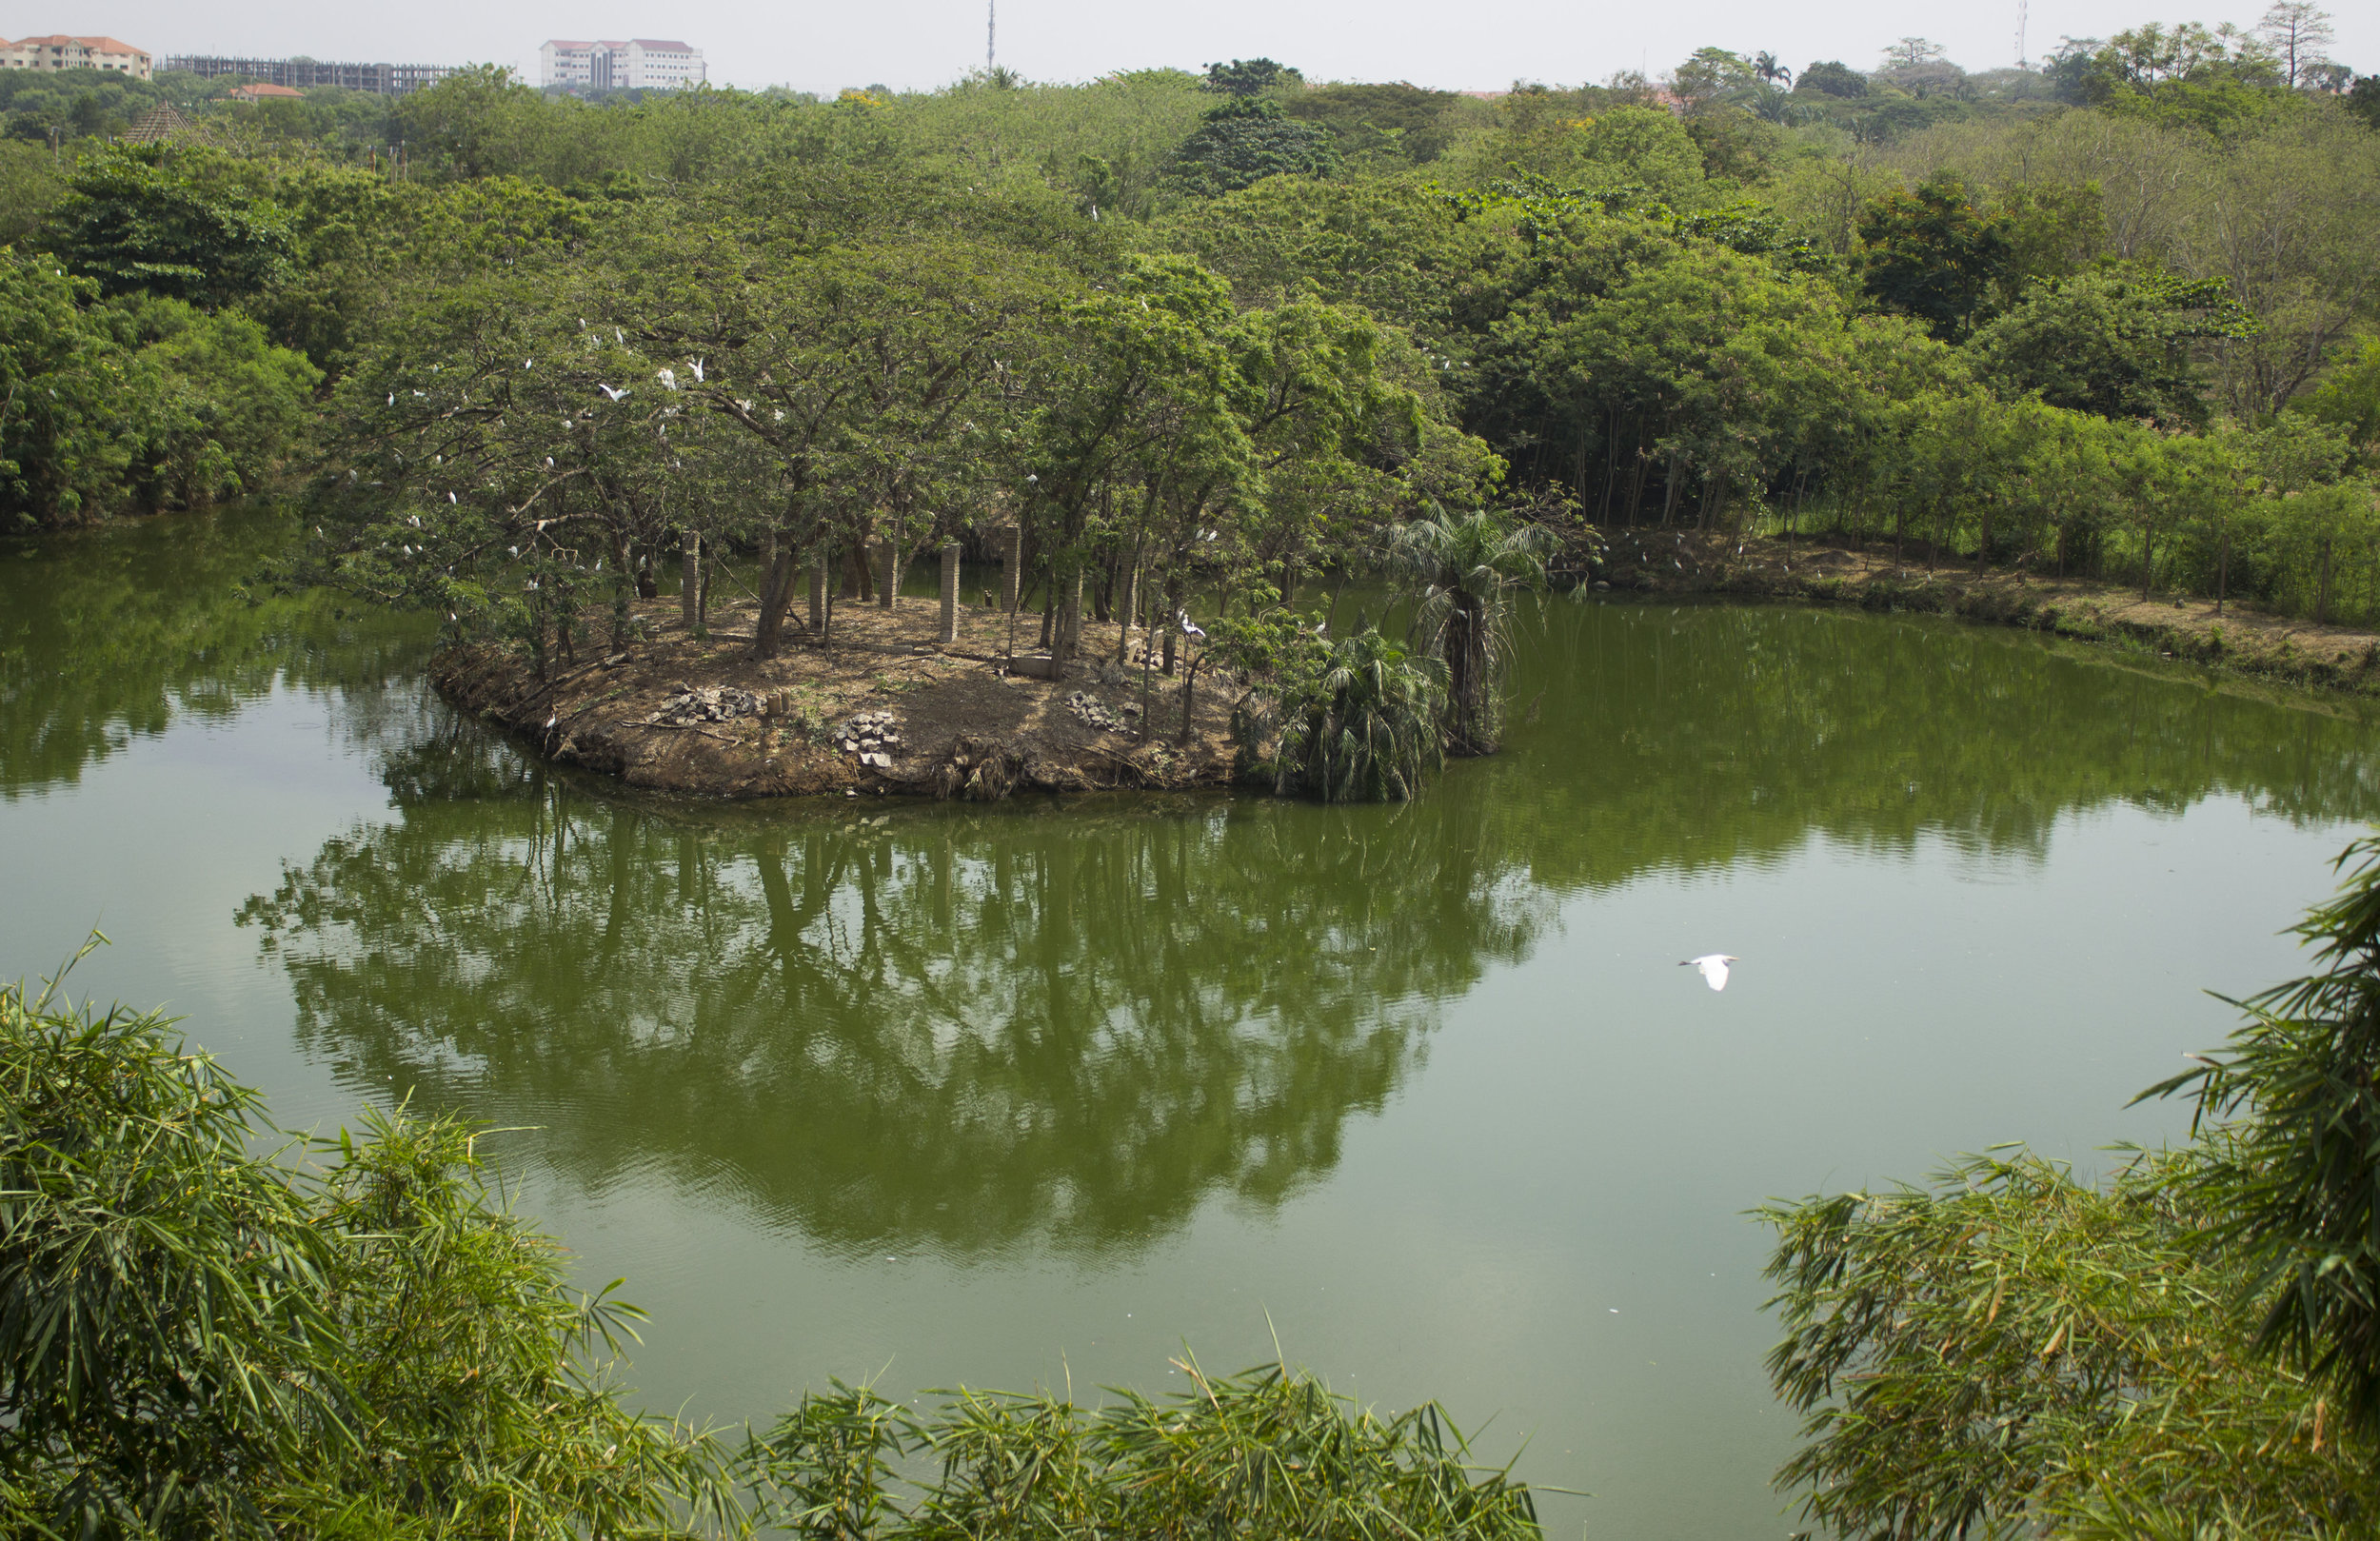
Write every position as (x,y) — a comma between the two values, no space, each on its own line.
(2114,316)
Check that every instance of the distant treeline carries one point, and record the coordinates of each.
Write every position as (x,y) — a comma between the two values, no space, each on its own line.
(2113,316)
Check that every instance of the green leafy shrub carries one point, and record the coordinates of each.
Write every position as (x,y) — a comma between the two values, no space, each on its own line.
(1268,1452)
(182,228)
(139,401)
(1358,720)
(62,397)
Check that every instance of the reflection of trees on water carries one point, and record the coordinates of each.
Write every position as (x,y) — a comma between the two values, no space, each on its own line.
(1698,737)
(970,1025)
(110,635)
(979,1027)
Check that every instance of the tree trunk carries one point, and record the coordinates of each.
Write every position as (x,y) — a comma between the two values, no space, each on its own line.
(622,586)
(948,629)
(1465,682)
(1611,464)
(1165,623)
(856,582)
(1070,618)
(1127,605)
(690,581)
(1148,693)
(776,596)
(1011,566)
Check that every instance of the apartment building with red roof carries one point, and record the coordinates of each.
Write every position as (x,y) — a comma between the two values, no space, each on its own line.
(59,52)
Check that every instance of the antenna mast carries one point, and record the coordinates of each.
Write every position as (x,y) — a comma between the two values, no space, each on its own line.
(991,33)
(2020,33)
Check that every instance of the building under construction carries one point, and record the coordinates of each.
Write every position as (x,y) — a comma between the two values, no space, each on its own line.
(298,73)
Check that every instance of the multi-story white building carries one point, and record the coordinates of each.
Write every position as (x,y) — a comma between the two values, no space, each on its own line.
(622,64)
(63,52)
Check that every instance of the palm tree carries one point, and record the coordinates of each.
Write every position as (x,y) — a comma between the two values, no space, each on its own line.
(1459,570)
(1764,65)
(1365,726)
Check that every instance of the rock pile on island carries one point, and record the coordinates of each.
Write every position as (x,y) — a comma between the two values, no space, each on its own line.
(869,736)
(1095,713)
(712,703)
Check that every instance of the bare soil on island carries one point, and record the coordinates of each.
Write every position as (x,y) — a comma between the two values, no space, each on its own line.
(2238,641)
(881,707)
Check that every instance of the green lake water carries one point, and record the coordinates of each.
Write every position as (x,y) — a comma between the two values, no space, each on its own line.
(1048,1093)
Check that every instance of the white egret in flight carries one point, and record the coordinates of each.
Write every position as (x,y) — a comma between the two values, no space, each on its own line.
(1713,967)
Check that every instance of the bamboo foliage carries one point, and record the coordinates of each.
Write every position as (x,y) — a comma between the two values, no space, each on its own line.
(2295,1191)
(2009,1344)
(2190,1349)
(1267,1452)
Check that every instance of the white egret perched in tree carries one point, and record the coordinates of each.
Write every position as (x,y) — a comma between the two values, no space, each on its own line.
(1713,967)
(1189,627)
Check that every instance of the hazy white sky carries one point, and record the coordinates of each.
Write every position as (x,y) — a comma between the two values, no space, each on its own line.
(1465,45)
